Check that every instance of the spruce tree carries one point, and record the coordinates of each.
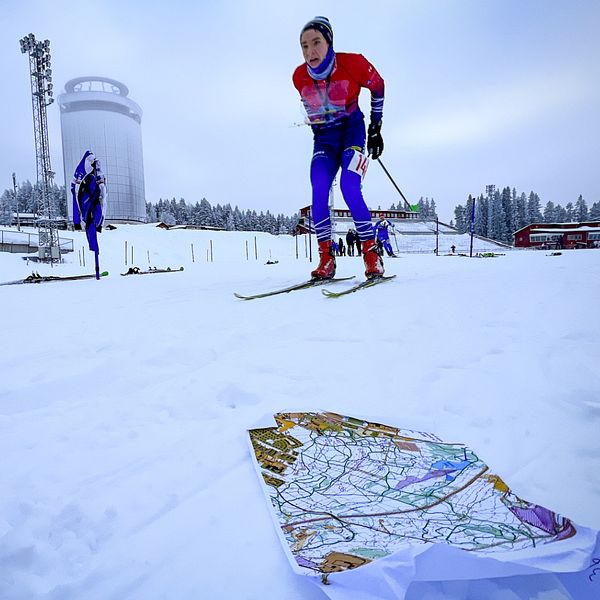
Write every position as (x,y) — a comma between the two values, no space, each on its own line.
(534,213)
(570,212)
(433,210)
(507,211)
(560,214)
(550,212)
(581,209)
(481,216)
(6,207)
(460,217)
(521,210)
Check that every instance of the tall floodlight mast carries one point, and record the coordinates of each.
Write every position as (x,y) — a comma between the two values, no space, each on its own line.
(41,94)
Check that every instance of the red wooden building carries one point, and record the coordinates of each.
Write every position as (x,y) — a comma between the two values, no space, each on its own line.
(559,235)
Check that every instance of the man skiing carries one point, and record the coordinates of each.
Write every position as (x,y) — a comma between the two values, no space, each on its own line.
(382,228)
(329,84)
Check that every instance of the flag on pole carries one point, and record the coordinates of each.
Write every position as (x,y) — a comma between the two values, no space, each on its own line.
(88,190)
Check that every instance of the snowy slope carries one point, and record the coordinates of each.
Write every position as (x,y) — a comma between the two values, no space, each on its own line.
(124,403)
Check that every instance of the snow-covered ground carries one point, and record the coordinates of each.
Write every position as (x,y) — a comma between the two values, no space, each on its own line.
(124,403)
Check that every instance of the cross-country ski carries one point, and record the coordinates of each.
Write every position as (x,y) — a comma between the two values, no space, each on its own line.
(292,288)
(37,278)
(151,271)
(359,286)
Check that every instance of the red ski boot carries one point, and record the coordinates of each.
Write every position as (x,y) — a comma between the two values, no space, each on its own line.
(373,262)
(326,268)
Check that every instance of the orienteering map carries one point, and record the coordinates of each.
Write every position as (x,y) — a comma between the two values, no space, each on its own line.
(346,492)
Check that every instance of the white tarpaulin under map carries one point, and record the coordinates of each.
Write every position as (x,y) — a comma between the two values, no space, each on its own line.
(389,506)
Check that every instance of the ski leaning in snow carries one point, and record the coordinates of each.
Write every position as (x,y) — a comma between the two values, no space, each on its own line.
(137,271)
(37,278)
(359,286)
(292,288)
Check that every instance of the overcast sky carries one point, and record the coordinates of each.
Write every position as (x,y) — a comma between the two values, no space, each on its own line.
(478,92)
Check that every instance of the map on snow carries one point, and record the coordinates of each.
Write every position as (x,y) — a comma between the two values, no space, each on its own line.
(346,492)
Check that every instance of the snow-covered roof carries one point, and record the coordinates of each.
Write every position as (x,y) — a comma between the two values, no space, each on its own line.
(584,228)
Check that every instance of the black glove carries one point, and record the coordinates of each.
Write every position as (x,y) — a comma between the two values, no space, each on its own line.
(77,227)
(374,140)
(99,228)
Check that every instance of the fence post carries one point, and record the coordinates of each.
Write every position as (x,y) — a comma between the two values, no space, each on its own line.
(211,252)
(193,260)
(125,252)
(255,248)
(83,254)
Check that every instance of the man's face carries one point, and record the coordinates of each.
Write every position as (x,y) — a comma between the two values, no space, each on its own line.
(314,47)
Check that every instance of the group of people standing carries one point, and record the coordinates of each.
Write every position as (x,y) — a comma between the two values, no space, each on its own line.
(353,242)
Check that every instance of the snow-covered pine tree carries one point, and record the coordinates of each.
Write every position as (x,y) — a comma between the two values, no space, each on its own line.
(570,212)
(6,207)
(534,214)
(521,211)
(433,210)
(481,216)
(507,210)
(497,219)
(560,214)
(460,221)
(550,212)
(151,215)
(581,209)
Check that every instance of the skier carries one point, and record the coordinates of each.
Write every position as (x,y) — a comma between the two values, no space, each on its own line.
(329,84)
(382,234)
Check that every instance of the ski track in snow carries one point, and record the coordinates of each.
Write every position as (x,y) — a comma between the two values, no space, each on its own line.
(124,403)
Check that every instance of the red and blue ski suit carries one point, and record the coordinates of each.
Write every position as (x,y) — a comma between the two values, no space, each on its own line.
(339,130)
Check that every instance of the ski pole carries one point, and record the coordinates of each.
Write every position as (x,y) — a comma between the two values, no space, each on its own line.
(396,241)
(394,183)
(97,264)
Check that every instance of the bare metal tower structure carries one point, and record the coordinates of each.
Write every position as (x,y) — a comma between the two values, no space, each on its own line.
(41,94)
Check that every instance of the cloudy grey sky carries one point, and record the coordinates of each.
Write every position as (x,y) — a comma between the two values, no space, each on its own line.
(503,92)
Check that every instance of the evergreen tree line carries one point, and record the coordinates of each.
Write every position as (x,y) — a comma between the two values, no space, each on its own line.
(499,214)
(168,211)
(173,212)
(27,199)
(427,208)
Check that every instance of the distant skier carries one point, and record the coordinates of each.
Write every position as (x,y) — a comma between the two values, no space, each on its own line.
(329,84)
(88,190)
(382,234)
